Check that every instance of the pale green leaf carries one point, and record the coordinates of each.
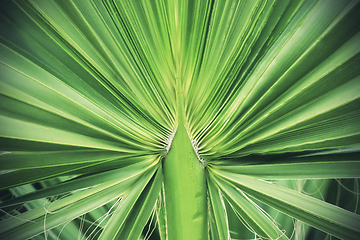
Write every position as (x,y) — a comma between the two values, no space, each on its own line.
(324,216)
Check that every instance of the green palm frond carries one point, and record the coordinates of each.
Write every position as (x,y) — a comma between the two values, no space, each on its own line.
(208,119)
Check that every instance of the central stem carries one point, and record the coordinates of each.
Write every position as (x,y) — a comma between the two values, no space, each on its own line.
(185,184)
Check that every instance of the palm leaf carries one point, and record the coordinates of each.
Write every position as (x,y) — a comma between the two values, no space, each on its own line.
(217,116)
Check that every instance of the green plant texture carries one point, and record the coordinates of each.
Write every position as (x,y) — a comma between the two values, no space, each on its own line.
(179,119)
